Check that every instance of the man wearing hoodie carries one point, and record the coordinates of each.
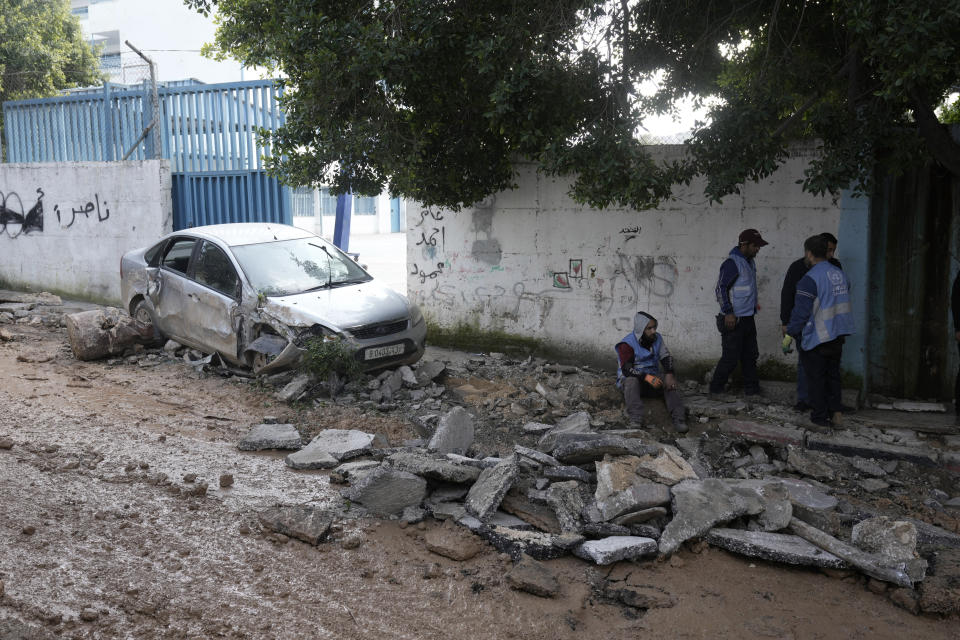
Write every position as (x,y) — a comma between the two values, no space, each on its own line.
(641,354)
(737,295)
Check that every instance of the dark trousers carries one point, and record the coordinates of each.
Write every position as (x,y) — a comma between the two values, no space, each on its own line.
(956,390)
(635,390)
(822,366)
(739,345)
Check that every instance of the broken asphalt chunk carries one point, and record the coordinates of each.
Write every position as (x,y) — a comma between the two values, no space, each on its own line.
(454,433)
(513,542)
(775,547)
(585,451)
(427,371)
(853,446)
(699,505)
(387,491)
(271,436)
(903,574)
(302,522)
(329,447)
(762,433)
(427,466)
(575,423)
(667,468)
(893,540)
(486,494)
(615,548)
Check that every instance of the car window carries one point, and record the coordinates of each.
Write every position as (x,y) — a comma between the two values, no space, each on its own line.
(152,255)
(214,269)
(177,257)
(287,267)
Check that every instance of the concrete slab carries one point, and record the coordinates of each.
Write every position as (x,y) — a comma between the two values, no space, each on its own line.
(615,548)
(775,547)
(762,433)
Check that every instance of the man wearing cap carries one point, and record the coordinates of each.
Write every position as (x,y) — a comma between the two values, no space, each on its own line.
(641,353)
(737,295)
(821,319)
(788,293)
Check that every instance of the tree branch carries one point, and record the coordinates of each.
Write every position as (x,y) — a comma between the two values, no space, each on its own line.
(940,143)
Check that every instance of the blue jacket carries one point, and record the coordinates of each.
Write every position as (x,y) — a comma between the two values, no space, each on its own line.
(822,311)
(737,285)
(647,360)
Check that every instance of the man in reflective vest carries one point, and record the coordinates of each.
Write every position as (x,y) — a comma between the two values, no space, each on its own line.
(737,295)
(788,294)
(820,321)
(641,353)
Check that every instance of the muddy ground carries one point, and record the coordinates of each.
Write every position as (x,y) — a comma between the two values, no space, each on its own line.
(103,536)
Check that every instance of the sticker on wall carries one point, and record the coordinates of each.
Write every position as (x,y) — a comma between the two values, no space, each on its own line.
(592,269)
(576,268)
(561,280)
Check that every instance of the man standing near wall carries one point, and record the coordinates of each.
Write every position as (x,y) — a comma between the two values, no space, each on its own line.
(820,322)
(788,294)
(737,295)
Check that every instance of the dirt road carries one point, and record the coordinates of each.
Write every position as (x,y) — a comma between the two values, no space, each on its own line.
(104,534)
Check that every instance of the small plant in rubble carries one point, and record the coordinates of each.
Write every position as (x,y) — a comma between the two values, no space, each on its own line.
(331,360)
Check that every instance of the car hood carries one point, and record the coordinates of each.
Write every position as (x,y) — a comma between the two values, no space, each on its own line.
(340,308)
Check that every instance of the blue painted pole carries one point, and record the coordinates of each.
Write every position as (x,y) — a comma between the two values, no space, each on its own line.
(341,227)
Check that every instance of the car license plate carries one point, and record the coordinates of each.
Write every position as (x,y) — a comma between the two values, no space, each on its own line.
(374,353)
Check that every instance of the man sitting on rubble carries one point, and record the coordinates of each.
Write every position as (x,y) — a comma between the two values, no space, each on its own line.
(642,352)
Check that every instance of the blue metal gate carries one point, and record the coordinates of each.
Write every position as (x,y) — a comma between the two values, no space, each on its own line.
(208,132)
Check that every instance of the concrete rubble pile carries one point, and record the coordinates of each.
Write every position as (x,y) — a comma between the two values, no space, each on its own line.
(605,494)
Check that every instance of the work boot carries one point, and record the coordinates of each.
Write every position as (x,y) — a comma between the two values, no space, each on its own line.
(680,426)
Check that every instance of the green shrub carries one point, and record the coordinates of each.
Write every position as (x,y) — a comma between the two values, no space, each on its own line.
(324,358)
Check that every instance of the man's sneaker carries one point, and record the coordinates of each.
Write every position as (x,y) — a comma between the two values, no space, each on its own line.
(755,393)
(636,423)
(845,409)
(680,426)
(802,407)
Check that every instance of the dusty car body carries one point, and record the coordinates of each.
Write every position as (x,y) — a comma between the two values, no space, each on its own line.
(257,292)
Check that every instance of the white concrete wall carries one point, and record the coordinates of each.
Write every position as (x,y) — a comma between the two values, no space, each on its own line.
(92,212)
(533,262)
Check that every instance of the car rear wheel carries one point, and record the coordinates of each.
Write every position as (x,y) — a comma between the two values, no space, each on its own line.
(143,313)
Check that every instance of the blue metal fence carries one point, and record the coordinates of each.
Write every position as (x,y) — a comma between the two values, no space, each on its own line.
(208,132)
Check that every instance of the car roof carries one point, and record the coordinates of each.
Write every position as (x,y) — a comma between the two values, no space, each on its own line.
(240,233)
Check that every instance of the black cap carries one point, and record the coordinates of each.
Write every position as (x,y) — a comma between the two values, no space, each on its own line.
(752,236)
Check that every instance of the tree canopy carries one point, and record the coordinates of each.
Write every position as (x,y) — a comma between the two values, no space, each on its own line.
(440,100)
(42,51)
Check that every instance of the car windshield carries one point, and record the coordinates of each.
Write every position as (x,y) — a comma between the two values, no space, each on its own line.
(287,267)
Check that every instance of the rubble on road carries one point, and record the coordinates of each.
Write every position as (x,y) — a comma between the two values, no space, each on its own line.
(539,461)
(271,436)
(575,482)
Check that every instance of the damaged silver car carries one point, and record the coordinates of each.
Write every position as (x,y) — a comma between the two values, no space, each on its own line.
(256,293)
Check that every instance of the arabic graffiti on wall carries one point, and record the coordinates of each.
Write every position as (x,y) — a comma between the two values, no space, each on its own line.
(14,222)
(84,209)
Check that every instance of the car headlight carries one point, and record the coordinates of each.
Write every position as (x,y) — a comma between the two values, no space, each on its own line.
(316,331)
(416,316)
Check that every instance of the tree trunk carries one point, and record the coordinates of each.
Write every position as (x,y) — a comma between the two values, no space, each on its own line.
(105,332)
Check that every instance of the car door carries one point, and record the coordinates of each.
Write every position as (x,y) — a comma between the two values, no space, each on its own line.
(212,319)
(168,296)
